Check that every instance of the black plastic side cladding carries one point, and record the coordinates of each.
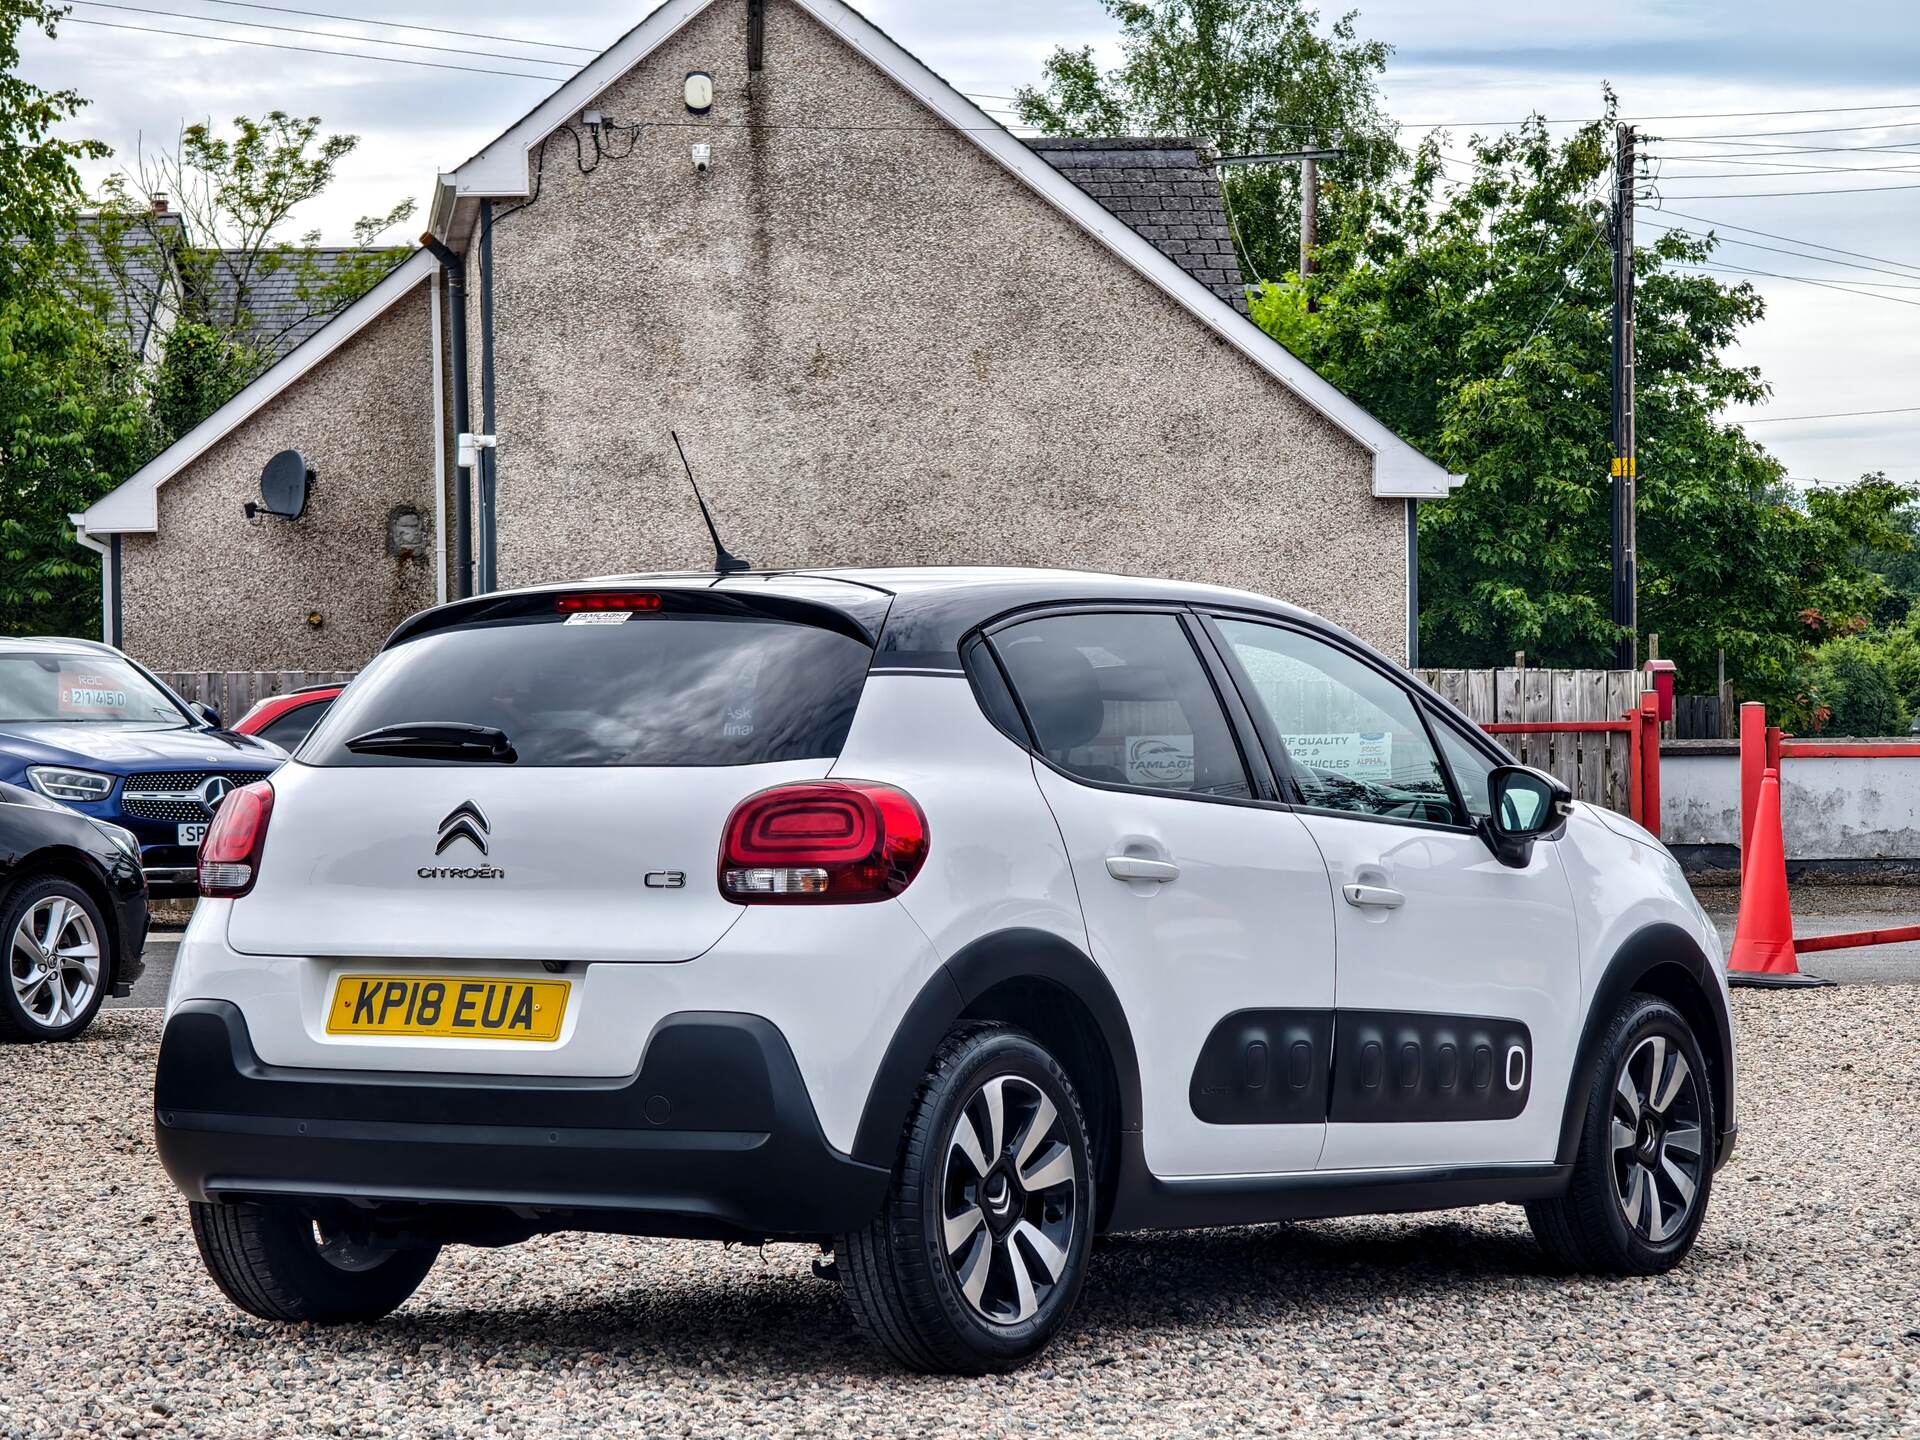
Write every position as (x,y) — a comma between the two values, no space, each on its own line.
(1408,1066)
(1264,1067)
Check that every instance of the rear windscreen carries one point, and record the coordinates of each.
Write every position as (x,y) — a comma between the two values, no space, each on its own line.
(646,689)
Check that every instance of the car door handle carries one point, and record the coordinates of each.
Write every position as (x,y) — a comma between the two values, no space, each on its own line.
(1373,897)
(1138,867)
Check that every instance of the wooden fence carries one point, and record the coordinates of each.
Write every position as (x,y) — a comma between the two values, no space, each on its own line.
(233,692)
(1596,767)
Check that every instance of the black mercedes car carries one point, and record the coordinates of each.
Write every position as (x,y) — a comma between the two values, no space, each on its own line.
(73,915)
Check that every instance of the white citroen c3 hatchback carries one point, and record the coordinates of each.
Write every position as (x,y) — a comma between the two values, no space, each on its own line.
(945,918)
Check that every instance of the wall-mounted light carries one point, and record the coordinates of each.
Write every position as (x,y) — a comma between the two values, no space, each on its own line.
(699,91)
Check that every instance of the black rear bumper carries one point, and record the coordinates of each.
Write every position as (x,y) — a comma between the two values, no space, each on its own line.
(714,1136)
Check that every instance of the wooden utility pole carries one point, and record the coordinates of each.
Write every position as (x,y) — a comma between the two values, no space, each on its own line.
(1309,161)
(1309,208)
(1626,475)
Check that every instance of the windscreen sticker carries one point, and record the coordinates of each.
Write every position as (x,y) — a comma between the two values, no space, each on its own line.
(85,692)
(1160,759)
(737,723)
(599,617)
(1364,754)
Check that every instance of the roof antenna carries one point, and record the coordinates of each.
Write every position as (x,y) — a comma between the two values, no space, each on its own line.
(723,562)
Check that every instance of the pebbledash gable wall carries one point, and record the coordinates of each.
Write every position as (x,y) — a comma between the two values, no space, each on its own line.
(879,347)
(213,590)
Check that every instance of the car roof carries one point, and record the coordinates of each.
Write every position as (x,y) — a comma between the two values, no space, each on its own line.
(919,613)
(51,645)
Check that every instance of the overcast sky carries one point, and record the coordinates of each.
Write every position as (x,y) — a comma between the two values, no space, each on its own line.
(1464,62)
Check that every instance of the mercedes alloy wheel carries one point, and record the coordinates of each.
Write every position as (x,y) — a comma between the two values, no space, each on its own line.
(57,962)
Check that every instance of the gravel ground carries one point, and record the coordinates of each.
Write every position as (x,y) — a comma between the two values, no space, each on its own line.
(1800,1310)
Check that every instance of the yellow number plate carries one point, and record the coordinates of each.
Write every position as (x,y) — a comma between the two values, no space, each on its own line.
(485,1009)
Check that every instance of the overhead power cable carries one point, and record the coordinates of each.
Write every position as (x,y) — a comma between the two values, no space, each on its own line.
(1765,149)
(1823,284)
(397,25)
(1869,286)
(1784,239)
(1830,415)
(1768,169)
(1772,134)
(321,34)
(1910,273)
(1785,194)
(309,49)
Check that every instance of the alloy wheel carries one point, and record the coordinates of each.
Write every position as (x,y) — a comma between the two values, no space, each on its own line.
(1009,1199)
(1658,1146)
(54,961)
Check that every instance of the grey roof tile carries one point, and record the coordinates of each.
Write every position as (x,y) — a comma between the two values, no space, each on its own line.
(1166,190)
(279,303)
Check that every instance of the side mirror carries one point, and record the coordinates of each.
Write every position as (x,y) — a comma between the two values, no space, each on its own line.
(210,716)
(1528,805)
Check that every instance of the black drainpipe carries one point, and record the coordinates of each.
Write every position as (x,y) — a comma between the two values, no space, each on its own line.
(489,553)
(118,636)
(455,267)
(1413,584)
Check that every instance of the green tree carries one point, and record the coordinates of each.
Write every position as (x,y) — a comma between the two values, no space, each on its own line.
(1898,566)
(1246,77)
(71,422)
(228,199)
(1472,314)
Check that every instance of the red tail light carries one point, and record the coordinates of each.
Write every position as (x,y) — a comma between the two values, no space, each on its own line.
(822,842)
(230,853)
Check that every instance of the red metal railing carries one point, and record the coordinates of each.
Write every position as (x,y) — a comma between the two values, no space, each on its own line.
(1762,748)
(1641,727)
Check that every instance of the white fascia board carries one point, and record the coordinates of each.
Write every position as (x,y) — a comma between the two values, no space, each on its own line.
(133,506)
(502,170)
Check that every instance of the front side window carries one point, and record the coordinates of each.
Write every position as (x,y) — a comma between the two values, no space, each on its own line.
(82,690)
(1122,699)
(1353,739)
(1472,770)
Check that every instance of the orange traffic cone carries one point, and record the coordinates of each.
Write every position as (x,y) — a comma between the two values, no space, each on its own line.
(1763,933)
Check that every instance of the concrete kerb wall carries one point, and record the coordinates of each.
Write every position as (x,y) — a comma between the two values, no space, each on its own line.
(1855,818)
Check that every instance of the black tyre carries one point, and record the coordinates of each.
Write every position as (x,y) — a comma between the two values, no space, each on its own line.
(978,1255)
(278,1264)
(1644,1170)
(59,961)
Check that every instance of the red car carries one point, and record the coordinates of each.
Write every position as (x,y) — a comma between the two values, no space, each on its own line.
(285,719)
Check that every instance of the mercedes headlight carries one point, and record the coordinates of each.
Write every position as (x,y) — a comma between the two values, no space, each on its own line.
(58,783)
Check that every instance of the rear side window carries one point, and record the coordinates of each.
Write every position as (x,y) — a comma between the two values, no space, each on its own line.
(650,689)
(1123,700)
(289,729)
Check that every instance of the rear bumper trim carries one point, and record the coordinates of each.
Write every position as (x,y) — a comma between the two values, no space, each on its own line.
(715,1131)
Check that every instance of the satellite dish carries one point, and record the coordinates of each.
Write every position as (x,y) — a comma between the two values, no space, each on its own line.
(283,486)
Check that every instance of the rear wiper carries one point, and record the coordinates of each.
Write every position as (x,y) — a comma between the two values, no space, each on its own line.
(438,740)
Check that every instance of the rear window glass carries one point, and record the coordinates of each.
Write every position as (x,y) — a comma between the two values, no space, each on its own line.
(655,689)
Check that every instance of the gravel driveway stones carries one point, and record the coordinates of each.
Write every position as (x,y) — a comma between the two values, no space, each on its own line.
(1800,1309)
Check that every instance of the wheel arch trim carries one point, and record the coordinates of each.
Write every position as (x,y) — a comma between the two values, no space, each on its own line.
(1655,947)
(1017,953)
